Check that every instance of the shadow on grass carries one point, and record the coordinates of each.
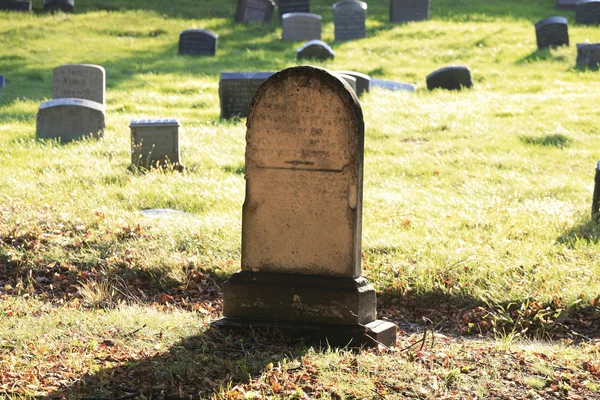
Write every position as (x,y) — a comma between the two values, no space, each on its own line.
(585,234)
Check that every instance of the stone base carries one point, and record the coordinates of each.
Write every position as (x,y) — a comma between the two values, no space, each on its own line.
(336,335)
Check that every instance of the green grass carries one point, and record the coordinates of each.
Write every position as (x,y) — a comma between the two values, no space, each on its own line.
(476,204)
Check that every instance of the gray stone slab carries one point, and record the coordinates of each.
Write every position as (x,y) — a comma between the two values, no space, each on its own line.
(79,81)
(350,80)
(293,6)
(59,5)
(391,85)
(450,78)
(198,42)
(587,12)
(155,143)
(363,81)
(2,83)
(236,91)
(163,213)
(70,119)
(552,32)
(300,27)
(14,5)
(588,55)
(254,11)
(349,17)
(409,10)
(315,49)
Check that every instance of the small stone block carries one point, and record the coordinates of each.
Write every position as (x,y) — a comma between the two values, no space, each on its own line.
(236,91)
(59,5)
(409,10)
(587,12)
(363,81)
(70,119)
(588,55)
(552,32)
(293,6)
(315,49)
(450,78)
(254,11)
(349,17)
(596,198)
(198,42)
(14,5)
(155,143)
(298,27)
(567,4)
(350,80)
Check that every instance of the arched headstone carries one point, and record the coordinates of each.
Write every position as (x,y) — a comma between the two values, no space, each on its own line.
(70,119)
(409,10)
(315,49)
(198,42)
(254,11)
(349,17)
(450,78)
(300,27)
(552,32)
(587,12)
(59,5)
(79,81)
(293,6)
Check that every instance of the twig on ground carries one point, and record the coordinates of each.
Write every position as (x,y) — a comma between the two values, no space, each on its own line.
(135,331)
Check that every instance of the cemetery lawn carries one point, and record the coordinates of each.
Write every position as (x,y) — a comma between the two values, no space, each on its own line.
(477,232)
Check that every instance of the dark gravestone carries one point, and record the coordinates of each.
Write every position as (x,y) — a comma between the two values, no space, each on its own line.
(350,80)
(70,119)
(587,12)
(302,214)
(588,55)
(2,81)
(59,5)
(293,6)
(155,143)
(409,10)
(552,32)
(254,11)
(349,17)
(596,198)
(391,85)
(363,82)
(567,4)
(315,49)
(236,91)
(198,42)
(450,78)
(300,27)
(14,5)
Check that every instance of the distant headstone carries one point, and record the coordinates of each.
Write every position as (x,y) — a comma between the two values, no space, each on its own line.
(293,6)
(301,220)
(450,78)
(596,197)
(349,17)
(59,5)
(254,11)
(409,10)
(2,84)
(236,91)
(79,81)
(567,4)
(552,32)
(350,80)
(198,42)
(391,85)
(70,119)
(315,49)
(301,27)
(588,55)
(587,12)
(155,143)
(15,5)
(363,82)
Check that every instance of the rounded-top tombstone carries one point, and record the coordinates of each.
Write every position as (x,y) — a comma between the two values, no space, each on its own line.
(254,11)
(349,17)
(552,32)
(587,12)
(315,49)
(79,81)
(198,42)
(450,78)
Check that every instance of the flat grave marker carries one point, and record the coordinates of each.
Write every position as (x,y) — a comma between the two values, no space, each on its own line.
(552,32)
(301,27)
(315,49)
(293,6)
(236,91)
(349,17)
(588,55)
(70,119)
(391,85)
(450,78)
(59,5)
(15,5)
(587,12)
(198,42)
(409,10)
(79,81)
(155,143)
(254,11)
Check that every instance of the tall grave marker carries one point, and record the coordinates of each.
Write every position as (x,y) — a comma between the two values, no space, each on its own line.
(587,12)
(409,10)
(552,32)
(349,17)
(254,11)
(302,216)
(293,6)
(79,81)
(198,42)
(300,27)
(236,91)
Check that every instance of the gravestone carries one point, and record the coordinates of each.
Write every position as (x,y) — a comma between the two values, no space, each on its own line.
(2,84)
(349,18)
(198,42)
(236,91)
(552,32)
(363,81)
(567,4)
(155,143)
(450,78)
(59,5)
(15,5)
(293,6)
(79,81)
(588,55)
(301,27)
(254,11)
(350,80)
(301,219)
(391,85)
(409,10)
(70,119)
(587,12)
(596,198)
(315,49)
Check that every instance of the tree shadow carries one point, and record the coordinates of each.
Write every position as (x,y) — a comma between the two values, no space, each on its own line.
(586,233)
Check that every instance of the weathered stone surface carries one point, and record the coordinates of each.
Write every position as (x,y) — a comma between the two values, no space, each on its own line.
(303,207)
(363,81)
(588,55)
(70,119)
(301,27)
(155,143)
(409,10)
(293,6)
(236,91)
(198,42)
(391,85)
(350,80)
(349,17)
(254,11)
(552,32)
(450,78)
(15,5)
(59,5)
(567,4)
(79,81)
(315,49)
(587,12)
